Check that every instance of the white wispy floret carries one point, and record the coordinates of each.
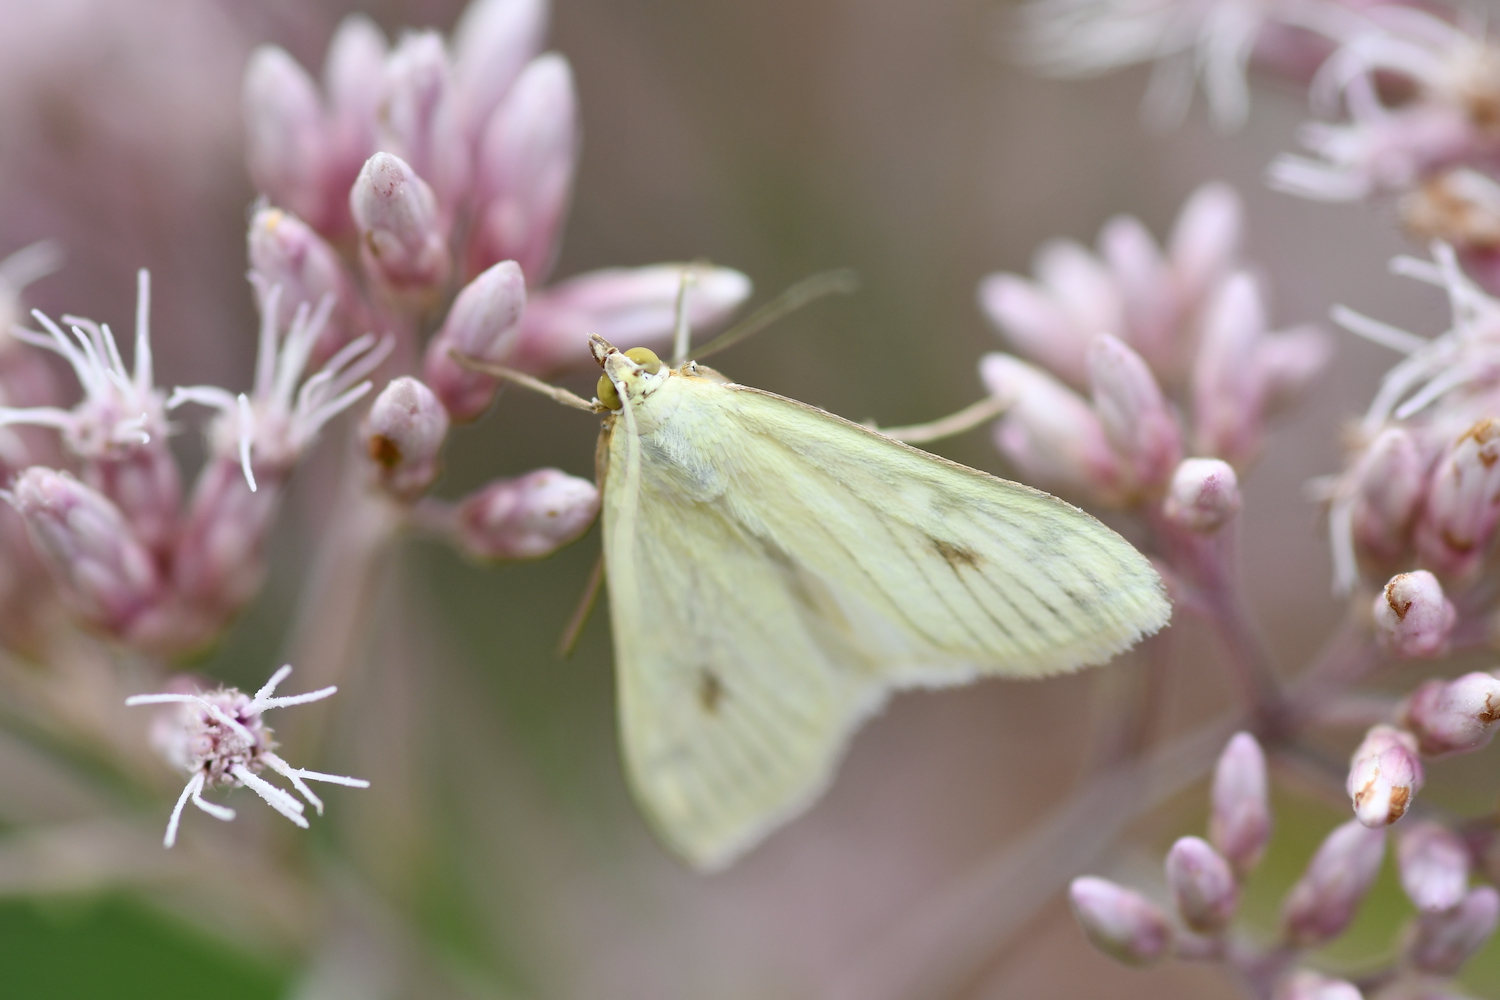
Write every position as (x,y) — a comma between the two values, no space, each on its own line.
(281,416)
(121,407)
(220,740)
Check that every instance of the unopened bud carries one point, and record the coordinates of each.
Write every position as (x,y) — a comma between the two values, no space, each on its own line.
(1240,824)
(1202,884)
(636,306)
(1388,482)
(419,117)
(89,547)
(1325,899)
(403,244)
(353,75)
(145,487)
(1205,240)
(404,432)
(1440,943)
(1434,866)
(1452,716)
(1136,418)
(1304,984)
(1121,922)
(286,252)
(494,40)
(1204,495)
(1463,503)
(526,160)
(484,324)
(1384,775)
(527,517)
(221,560)
(1412,617)
(285,135)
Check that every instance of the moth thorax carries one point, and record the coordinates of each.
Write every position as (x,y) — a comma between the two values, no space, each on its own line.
(645,359)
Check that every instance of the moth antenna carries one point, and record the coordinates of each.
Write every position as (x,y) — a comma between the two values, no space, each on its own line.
(969,417)
(557,393)
(682,335)
(843,281)
(569,639)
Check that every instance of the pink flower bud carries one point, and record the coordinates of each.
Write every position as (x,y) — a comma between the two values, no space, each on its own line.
(1412,617)
(526,160)
(1147,291)
(1388,482)
(354,77)
(1204,495)
(1288,361)
(1325,899)
(528,517)
(1441,942)
(286,252)
(1205,241)
(419,118)
(285,133)
(1036,325)
(1228,391)
(403,433)
(144,485)
(87,544)
(1452,716)
(1202,884)
(1463,503)
(403,244)
(635,306)
(1304,984)
(1384,775)
(220,559)
(485,324)
(494,40)
(1434,865)
(1085,290)
(1136,418)
(1121,922)
(1049,433)
(1240,824)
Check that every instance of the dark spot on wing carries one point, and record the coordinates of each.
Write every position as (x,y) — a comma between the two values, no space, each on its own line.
(956,555)
(711,691)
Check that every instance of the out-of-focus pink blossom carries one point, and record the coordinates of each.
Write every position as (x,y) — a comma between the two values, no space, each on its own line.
(493,41)
(286,133)
(1387,483)
(1204,495)
(403,239)
(287,252)
(1463,503)
(1135,416)
(220,560)
(1202,884)
(484,323)
(1452,716)
(527,154)
(1325,899)
(1239,825)
(1412,617)
(1434,865)
(1441,942)
(635,306)
(403,433)
(1121,922)
(1304,984)
(1385,774)
(419,119)
(354,80)
(527,517)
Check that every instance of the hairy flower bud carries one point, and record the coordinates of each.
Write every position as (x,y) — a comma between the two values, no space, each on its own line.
(1325,899)
(286,135)
(1452,716)
(87,544)
(403,433)
(1384,775)
(1412,617)
(1203,885)
(526,159)
(1434,865)
(1304,984)
(1240,824)
(1463,503)
(1204,495)
(403,243)
(1441,942)
(1136,418)
(1121,922)
(626,305)
(526,517)
(484,324)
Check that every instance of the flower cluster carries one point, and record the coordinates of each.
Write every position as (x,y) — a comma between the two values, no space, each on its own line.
(1204,879)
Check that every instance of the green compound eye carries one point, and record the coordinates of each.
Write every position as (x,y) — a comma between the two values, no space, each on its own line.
(605,390)
(646,358)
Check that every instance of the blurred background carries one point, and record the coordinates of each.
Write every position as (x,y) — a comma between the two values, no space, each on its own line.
(779,138)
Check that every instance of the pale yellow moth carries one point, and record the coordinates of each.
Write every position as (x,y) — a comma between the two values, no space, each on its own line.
(776,571)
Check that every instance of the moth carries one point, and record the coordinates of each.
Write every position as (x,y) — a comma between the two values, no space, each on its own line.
(775,572)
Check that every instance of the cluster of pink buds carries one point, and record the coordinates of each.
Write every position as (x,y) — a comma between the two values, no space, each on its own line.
(1204,880)
(1122,341)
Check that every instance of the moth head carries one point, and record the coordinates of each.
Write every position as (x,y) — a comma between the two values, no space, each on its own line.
(635,372)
